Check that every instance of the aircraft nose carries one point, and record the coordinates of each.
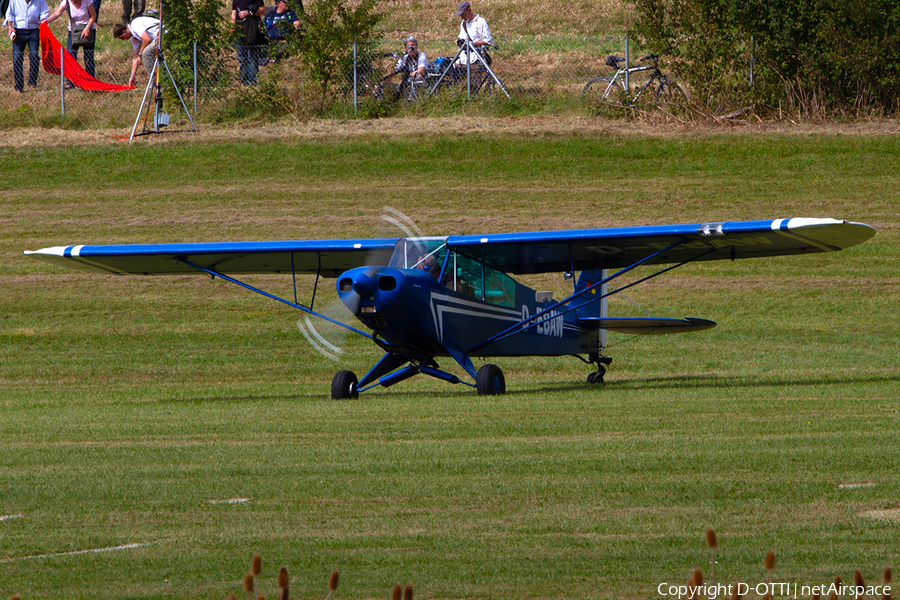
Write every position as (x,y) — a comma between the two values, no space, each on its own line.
(377,288)
(364,285)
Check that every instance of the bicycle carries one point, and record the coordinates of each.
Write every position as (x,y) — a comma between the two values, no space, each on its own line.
(612,89)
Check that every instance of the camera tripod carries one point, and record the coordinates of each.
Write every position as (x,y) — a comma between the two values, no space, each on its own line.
(160,119)
(472,53)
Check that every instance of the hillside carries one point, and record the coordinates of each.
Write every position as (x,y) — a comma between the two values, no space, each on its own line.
(437,18)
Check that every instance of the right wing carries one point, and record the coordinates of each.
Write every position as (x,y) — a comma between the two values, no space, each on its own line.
(328,258)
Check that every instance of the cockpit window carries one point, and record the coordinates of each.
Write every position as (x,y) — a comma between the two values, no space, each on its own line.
(475,278)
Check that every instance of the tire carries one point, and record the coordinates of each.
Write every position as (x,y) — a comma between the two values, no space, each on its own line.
(343,386)
(596,89)
(670,93)
(490,381)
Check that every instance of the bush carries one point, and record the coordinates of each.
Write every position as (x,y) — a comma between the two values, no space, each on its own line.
(816,56)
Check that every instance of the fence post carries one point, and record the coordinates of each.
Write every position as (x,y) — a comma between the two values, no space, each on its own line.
(354,79)
(752,60)
(62,81)
(195,78)
(627,65)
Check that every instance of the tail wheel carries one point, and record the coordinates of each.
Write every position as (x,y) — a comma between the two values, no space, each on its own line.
(597,376)
(343,386)
(490,381)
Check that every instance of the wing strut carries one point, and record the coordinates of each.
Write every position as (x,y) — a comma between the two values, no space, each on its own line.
(273,297)
(534,320)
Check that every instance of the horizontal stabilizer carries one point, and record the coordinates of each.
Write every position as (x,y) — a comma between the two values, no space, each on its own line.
(646,326)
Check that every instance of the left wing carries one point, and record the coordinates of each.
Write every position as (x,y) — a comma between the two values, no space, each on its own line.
(620,247)
(329,258)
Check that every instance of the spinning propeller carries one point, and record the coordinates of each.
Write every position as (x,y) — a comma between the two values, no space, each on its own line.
(328,339)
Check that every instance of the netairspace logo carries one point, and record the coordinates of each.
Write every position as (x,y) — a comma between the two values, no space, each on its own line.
(777,590)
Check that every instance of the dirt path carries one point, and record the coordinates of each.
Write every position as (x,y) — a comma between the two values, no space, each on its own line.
(459,125)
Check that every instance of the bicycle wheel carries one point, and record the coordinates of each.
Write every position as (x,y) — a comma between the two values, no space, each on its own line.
(668,93)
(604,89)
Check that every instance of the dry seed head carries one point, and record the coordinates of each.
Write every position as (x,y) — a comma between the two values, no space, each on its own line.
(397,593)
(816,596)
(283,578)
(737,595)
(261,597)
(770,560)
(333,580)
(231,596)
(711,540)
(838,581)
(248,582)
(698,577)
(408,592)
(887,575)
(15,597)
(284,594)
(256,569)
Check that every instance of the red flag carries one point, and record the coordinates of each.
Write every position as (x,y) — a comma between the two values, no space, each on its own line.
(74,72)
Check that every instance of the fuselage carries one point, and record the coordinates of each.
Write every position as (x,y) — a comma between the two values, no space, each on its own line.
(458,304)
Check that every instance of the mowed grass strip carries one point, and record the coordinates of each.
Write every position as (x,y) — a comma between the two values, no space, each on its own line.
(135,409)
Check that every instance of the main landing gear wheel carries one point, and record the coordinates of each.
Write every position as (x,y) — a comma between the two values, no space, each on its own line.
(490,381)
(343,386)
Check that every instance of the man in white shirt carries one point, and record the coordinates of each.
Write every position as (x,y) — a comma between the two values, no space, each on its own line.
(23,20)
(142,32)
(472,27)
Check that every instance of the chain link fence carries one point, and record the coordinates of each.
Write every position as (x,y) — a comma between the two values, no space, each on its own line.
(209,79)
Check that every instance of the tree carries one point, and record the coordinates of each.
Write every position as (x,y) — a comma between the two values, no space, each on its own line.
(329,29)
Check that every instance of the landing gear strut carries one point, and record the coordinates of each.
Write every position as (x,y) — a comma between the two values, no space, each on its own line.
(597,376)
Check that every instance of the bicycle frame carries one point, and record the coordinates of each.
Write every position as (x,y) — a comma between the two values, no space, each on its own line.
(623,76)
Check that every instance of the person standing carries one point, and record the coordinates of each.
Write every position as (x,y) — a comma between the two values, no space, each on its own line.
(473,27)
(81,12)
(23,20)
(131,9)
(247,42)
(142,32)
(277,23)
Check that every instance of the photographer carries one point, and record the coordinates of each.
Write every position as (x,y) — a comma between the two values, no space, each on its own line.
(472,27)
(413,63)
(250,37)
(412,66)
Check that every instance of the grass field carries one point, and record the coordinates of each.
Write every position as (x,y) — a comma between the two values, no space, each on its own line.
(134,409)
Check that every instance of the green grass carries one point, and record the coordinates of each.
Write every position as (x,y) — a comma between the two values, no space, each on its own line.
(133,406)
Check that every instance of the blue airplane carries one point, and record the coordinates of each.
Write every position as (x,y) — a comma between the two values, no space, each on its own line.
(425,298)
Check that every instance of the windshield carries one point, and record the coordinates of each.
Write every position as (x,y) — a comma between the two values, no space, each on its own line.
(426,254)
